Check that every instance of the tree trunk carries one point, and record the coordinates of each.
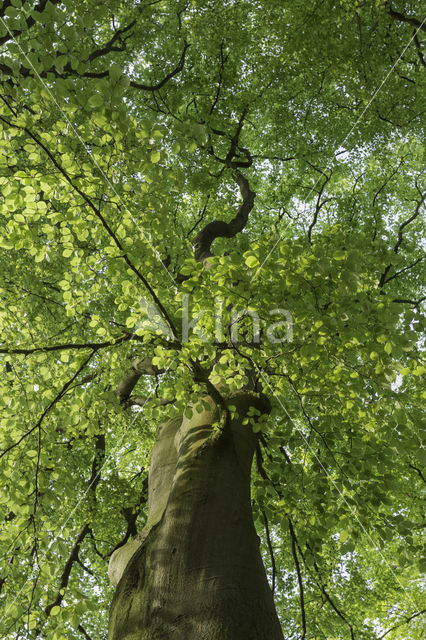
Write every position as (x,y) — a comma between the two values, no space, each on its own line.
(195,571)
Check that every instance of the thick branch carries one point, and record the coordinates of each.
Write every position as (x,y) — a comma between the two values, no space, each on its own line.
(84,632)
(220,229)
(401,17)
(271,158)
(100,52)
(138,368)
(232,160)
(109,46)
(414,303)
(67,569)
(67,346)
(140,401)
(235,140)
(69,71)
(419,49)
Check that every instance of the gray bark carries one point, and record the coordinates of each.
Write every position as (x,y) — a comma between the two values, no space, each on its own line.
(195,571)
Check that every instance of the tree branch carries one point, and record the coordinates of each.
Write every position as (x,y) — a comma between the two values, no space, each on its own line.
(271,551)
(410,266)
(401,17)
(67,346)
(49,406)
(220,229)
(67,569)
(101,51)
(130,514)
(406,222)
(299,577)
(84,632)
(83,566)
(97,462)
(140,401)
(400,239)
(95,476)
(318,204)
(98,214)
(108,46)
(415,303)
(328,598)
(412,466)
(419,49)
(138,368)
(399,624)
(200,219)
(169,76)
(223,60)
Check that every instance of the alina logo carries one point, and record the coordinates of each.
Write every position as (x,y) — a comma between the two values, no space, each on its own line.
(219,324)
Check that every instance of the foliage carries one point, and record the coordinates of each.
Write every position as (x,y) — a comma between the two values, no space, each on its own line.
(121,125)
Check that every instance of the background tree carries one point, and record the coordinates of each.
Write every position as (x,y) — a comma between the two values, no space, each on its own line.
(163,161)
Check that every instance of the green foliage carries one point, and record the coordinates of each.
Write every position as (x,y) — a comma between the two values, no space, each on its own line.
(114,135)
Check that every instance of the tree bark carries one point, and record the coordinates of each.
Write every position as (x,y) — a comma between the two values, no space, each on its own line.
(195,571)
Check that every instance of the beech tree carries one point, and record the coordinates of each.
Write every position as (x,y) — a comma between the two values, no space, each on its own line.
(211,315)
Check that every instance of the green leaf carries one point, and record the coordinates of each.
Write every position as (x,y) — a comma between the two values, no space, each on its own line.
(155,156)
(340,254)
(343,536)
(252,262)
(115,72)
(96,100)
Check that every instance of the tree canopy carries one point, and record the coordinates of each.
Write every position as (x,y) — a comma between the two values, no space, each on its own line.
(172,173)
